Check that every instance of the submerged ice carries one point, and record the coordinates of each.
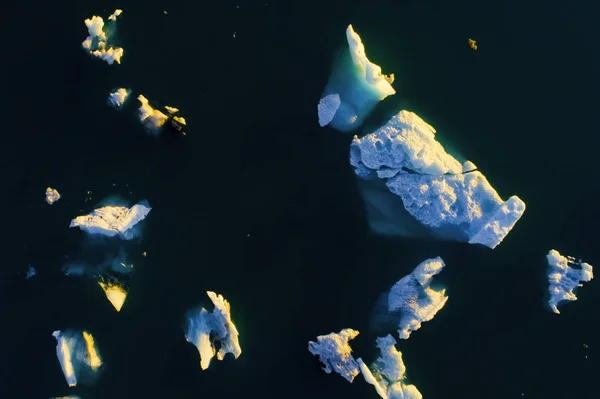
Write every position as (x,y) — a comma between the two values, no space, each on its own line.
(112,220)
(355,86)
(411,301)
(386,374)
(412,186)
(78,355)
(564,278)
(335,353)
(97,41)
(204,329)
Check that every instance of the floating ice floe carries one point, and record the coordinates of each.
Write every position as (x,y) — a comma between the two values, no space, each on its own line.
(335,353)
(112,220)
(154,120)
(52,195)
(358,84)
(412,301)
(387,372)
(115,292)
(96,42)
(31,272)
(78,356)
(118,97)
(403,161)
(327,108)
(203,328)
(564,278)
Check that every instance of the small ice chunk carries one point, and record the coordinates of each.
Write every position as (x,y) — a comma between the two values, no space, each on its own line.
(335,353)
(96,42)
(204,328)
(78,356)
(52,195)
(386,374)
(151,118)
(31,272)
(564,278)
(414,299)
(118,97)
(171,110)
(327,108)
(115,292)
(112,220)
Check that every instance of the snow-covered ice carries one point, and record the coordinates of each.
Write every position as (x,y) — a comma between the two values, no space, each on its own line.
(335,353)
(112,220)
(52,195)
(151,118)
(203,328)
(386,374)
(564,278)
(118,97)
(78,355)
(96,43)
(327,108)
(358,84)
(448,199)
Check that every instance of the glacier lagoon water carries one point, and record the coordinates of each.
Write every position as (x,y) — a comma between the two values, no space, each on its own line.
(260,204)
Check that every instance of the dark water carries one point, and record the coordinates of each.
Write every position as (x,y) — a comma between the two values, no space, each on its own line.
(259,204)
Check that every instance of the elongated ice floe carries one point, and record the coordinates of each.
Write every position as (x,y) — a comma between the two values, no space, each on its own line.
(78,355)
(355,86)
(112,220)
(386,374)
(117,98)
(51,196)
(446,199)
(204,328)
(335,353)
(564,278)
(97,41)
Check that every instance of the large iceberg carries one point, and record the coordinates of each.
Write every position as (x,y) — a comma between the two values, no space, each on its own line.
(336,354)
(355,86)
(78,355)
(412,187)
(412,301)
(113,220)
(205,329)
(96,42)
(563,278)
(387,372)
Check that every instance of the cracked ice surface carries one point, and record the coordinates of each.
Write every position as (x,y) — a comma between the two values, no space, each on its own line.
(335,353)
(112,220)
(431,184)
(564,278)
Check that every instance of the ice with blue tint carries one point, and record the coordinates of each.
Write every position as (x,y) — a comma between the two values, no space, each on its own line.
(113,220)
(412,187)
(31,272)
(203,329)
(78,355)
(386,374)
(336,354)
(117,98)
(564,278)
(354,88)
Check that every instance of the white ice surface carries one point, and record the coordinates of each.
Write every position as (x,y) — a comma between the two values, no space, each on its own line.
(52,195)
(118,97)
(386,374)
(564,278)
(416,301)
(77,353)
(430,182)
(151,118)
(202,323)
(96,42)
(335,353)
(111,220)
(327,108)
